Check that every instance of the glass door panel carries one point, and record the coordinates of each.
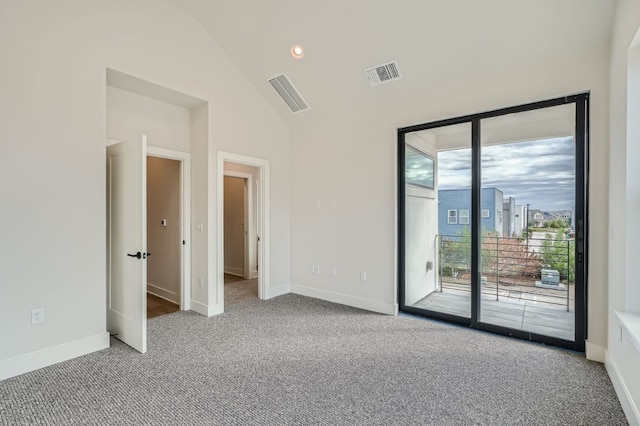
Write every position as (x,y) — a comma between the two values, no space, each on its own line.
(437,209)
(528,200)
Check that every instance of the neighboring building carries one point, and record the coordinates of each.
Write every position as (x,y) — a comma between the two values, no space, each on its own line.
(539,218)
(520,220)
(509,217)
(454,210)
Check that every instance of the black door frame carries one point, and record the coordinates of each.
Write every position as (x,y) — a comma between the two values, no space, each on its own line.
(581,102)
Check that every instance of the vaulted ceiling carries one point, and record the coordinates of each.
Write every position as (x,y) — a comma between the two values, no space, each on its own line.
(441,46)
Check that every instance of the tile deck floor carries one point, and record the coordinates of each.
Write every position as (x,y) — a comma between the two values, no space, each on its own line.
(528,315)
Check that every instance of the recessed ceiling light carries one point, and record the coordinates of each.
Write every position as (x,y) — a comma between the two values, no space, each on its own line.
(297,51)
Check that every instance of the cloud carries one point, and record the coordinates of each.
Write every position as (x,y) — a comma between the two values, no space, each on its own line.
(540,173)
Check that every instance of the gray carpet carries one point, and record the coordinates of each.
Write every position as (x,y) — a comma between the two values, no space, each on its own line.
(296,360)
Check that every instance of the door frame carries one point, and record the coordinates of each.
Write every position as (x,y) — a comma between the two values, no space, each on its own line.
(262,220)
(185,213)
(581,102)
(249,233)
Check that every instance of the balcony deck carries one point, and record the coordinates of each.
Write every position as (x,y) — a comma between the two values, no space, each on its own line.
(527,312)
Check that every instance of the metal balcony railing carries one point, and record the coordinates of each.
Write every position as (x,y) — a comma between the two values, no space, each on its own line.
(511,267)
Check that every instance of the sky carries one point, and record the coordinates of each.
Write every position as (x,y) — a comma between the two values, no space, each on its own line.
(540,173)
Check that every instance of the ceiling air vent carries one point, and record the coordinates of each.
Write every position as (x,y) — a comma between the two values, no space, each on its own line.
(383,73)
(288,93)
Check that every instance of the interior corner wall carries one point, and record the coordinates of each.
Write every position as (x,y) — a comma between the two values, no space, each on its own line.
(52,169)
(622,359)
(359,233)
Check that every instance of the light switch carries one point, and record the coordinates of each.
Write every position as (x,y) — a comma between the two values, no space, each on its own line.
(163,222)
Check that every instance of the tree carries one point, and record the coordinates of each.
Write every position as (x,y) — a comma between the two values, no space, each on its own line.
(456,251)
(558,224)
(558,253)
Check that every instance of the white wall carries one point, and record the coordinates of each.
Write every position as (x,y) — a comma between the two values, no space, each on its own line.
(622,359)
(163,241)
(129,115)
(352,159)
(52,169)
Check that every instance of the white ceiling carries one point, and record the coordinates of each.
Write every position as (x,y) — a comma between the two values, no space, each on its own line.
(437,43)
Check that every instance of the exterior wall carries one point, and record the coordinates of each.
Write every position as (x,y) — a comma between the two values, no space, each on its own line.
(421,222)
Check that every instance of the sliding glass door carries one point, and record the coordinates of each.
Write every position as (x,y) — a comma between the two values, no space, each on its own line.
(492,220)
(426,221)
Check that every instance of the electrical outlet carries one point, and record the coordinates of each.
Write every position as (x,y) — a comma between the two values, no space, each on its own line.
(316,270)
(363,276)
(312,269)
(201,282)
(334,271)
(37,316)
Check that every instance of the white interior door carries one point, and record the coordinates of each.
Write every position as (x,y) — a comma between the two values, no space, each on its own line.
(127,242)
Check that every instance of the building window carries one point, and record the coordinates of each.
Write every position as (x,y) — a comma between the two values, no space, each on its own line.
(485,212)
(452,218)
(464,217)
(419,168)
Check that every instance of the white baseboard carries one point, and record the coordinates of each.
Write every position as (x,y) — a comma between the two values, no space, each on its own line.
(45,357)
(206,310)
(232,270)
(626,400)
(595,352)
(163,293)
(277,291)
(200,308)
(344,299)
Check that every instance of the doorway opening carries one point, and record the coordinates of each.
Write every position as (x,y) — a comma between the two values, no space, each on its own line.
(492,229)
(243,211)
(164,235)
(240,233)
(168,230)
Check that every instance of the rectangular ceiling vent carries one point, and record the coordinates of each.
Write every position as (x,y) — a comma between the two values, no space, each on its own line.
(383,73)
(288,93)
